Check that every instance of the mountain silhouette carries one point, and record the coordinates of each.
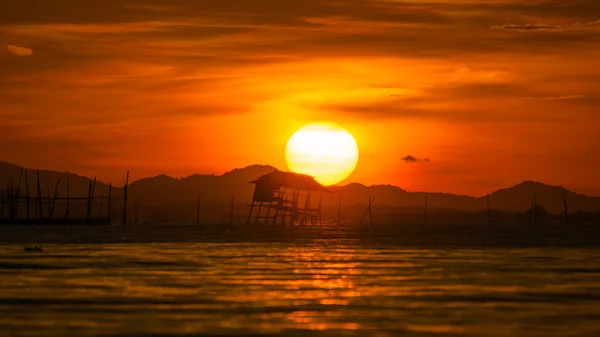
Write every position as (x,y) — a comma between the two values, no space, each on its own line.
(174,195)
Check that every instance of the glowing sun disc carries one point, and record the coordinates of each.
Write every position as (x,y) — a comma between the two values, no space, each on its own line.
(325,151)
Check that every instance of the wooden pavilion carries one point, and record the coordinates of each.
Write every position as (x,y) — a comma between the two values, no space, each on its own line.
(285,198)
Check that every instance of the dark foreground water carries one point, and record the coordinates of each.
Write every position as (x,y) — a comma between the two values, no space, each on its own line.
(299,282)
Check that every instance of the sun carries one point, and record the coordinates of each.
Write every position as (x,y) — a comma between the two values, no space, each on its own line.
(325,151)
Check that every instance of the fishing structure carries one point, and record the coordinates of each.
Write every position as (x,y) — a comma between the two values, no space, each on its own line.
(286,198)
(24,203)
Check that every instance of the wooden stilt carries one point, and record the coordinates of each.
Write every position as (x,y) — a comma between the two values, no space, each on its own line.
(258,212)
(280,204)
(566,206)
(268,212)
(51,213)
(250,213)
(125,199)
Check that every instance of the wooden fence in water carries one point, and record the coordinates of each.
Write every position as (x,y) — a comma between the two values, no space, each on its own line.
(18,205)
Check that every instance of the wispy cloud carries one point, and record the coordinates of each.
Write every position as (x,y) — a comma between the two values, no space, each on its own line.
(526,27)
(19,51)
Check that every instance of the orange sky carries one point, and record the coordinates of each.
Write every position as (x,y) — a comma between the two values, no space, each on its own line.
(491,92)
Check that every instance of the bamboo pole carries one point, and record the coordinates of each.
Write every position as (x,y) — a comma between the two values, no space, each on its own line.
(125,199)
(109,203)
(231,210)
(54,199)
(27,193)
(566,206)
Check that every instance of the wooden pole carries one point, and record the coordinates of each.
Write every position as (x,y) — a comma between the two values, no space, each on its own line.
(339,217)
(54,199)
(109,203)
(250,213)
(89,201)
(425,215)
(566,206)
(92,188)
(231,210)
(39,193)
(268,212)
(367,212)
(125,200)
(319,220)
(198,211)
(27,193)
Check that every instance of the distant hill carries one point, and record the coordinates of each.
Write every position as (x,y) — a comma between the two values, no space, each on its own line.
(216,192)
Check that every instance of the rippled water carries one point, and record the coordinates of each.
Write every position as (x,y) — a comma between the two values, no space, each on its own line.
(314,287)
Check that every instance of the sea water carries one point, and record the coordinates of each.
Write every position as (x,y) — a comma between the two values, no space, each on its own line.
(120,283)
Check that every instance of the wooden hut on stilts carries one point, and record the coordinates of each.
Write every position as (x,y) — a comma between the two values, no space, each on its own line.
(285,198)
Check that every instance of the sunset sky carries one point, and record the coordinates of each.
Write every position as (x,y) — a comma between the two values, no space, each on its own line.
(461,96)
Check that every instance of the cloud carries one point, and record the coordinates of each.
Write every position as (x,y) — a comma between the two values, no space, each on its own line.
(567,97)
(412,159)
(19,51)
(527,27)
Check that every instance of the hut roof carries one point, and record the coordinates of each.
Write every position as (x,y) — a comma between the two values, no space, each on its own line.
(277,179)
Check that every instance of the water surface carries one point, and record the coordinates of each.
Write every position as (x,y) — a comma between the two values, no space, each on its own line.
(320,286)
